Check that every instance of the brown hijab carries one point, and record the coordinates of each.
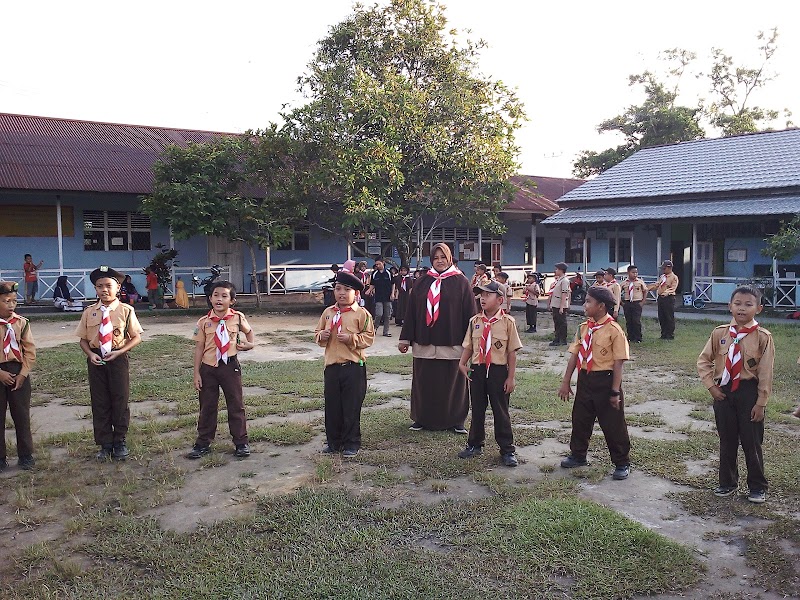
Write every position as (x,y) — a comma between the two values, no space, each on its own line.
(448,254)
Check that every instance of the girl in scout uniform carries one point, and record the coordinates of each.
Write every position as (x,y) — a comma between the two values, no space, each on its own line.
(345,330)
(17,356)
(218,338)
(599,350)
(108,330)
(736,368)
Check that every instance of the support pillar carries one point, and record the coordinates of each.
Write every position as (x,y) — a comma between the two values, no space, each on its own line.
(269,271)
(694,258)
(533,248)
(60,236)
(585,253)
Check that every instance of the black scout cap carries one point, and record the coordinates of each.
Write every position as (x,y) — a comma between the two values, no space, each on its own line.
(350,280)
(106,272)
(8,287)
(562,266)
(491,287)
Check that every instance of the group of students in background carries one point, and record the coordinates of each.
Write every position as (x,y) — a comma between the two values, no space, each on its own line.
(736,364)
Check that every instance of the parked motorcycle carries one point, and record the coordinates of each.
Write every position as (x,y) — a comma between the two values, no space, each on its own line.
(577,286)
(207,282)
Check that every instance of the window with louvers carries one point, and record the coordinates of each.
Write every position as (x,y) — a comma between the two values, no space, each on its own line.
(115,230)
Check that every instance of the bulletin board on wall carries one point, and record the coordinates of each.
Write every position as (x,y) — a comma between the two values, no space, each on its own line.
(37,221)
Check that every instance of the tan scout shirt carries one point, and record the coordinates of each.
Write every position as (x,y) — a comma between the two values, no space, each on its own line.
(505,339)
(22,331)
(616,291)
(758,357)
(609,343)
(123,320)
(356,322)
(561,292)
(669,288)
(206,331)
(634,291)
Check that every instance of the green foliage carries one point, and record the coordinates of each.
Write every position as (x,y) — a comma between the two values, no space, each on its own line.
(785,244)
(162,263)
(400,127)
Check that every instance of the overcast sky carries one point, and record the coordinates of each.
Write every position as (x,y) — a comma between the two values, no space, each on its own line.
(230,66)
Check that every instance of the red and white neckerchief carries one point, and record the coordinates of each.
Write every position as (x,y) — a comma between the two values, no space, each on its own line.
(10,345)
(435,293)
(663,281)
(553,285)
(485,351)
(631,285)
(733,360)
(106,331)
(585,349)
(222,339)
(404,283)
(336,321)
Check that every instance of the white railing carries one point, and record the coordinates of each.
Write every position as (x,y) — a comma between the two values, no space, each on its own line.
(280,279)
(781,292)
(77,281)
(186,274)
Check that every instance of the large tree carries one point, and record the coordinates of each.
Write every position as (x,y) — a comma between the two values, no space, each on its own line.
(400,129)
(234,187)
(658,120)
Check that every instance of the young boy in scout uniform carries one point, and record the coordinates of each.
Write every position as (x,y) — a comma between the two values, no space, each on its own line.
(599,350)
(218,338)
(634,295)
(599,278)
(16,359)
(502,280)
(108,330)
(491,345)
(345,330)
(558,303)
(666,287)
(611,283)
(736,367)
(531,296)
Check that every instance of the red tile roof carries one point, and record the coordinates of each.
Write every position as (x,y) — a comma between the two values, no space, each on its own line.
(539,194)
(43,153)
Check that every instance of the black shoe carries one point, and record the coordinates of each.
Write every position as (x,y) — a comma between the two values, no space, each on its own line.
(26,462)
(242,451)
(725,491)
(350,453)
(3,464)
(510,459)
(328,449)
(120,451)
(554,343)
(530,330)
(387,334)
(470,451)
(198,452)
(104,453)
(416,427)
(571,462)
(622,472)
(757,497)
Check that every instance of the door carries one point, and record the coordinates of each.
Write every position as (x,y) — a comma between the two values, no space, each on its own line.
(704,261)
(228,254)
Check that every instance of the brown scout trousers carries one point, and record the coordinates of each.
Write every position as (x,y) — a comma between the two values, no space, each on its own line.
(109,387)
(19,404)
(735,427)
(229,378)
(592,401)
(484,390)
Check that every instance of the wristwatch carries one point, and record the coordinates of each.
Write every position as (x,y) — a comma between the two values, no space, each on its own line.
(614,393)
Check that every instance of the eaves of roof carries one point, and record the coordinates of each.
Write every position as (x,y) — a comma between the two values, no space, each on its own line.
(669,211)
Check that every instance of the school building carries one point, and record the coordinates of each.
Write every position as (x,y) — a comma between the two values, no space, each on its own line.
(707,205)
(70,193)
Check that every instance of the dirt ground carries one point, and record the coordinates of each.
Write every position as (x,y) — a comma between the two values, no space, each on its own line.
(213,494)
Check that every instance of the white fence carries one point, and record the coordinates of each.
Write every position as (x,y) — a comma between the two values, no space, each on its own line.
(780,292)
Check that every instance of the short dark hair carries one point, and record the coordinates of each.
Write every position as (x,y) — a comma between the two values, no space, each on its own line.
(503,274)
(223,284)
(632,267)
(27,256)
(610,270)
(481,266)
(750,290)
(603,296)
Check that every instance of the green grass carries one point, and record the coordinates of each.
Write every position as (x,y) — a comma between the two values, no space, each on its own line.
(322,544)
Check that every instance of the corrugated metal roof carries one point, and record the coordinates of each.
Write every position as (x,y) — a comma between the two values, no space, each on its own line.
(668,211)
(539,194)
(43,153)
(756,161)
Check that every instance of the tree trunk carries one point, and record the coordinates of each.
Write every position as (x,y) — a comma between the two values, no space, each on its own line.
(255,274)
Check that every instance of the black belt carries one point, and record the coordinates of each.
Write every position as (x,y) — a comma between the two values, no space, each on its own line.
(347,363)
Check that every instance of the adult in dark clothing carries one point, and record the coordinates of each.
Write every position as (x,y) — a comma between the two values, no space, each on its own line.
(440,306)
(402,289)
(381,284)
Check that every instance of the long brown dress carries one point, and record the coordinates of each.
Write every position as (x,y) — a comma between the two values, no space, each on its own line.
(439,393)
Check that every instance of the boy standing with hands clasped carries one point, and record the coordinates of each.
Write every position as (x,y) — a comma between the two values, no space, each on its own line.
(345,330)
(108,330)
(491,343)
(736,367)
(218,339)
(16,359)
(599,350)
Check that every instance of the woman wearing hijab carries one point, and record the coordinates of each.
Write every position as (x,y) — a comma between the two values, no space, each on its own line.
(440,306)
